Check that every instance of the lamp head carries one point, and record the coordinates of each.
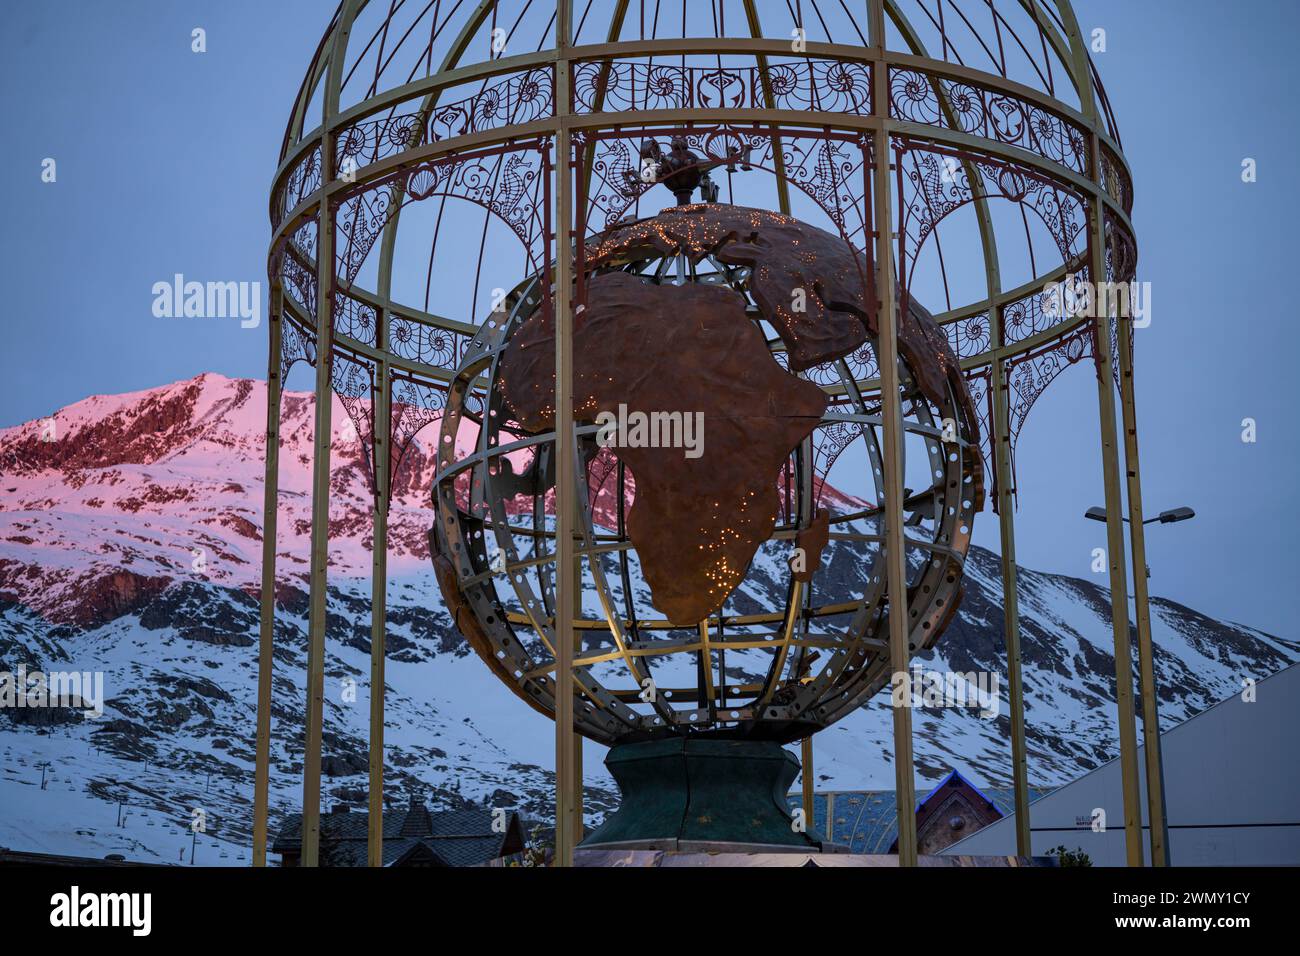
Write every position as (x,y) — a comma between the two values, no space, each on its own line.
(1176,514)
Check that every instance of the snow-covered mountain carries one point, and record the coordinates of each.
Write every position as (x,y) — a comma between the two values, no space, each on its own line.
(130,544)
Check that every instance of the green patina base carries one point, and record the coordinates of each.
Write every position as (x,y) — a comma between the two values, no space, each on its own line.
(689,793)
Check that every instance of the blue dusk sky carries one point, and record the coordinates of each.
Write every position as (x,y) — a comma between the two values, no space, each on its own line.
(165,158)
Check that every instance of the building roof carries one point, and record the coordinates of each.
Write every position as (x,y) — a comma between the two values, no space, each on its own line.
(953,806)
(411,834)
(866,821)
(1230,791)
(25,858)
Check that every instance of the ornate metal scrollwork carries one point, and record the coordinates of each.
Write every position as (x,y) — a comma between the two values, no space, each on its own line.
(936,183)
(415,404)
(424,343)
(931,100)
(505,182)
(827,86)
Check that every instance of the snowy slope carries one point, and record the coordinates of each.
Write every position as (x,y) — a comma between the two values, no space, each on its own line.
(130,544)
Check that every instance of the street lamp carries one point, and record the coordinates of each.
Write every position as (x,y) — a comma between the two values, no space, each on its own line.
(1165,517)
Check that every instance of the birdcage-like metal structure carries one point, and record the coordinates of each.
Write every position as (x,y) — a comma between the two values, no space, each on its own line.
(447,170)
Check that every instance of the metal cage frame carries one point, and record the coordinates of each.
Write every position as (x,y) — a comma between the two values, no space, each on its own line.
(934,135)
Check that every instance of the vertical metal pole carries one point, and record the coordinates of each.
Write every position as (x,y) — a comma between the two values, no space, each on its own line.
(807,750)
(579,826)
(895,560)
(1115,538)
(1082,79)
(266,635)
(1010,603)
(321,458)
(378,611)
(311,759)
(566,466)
(1001,443)
(892,416)
(575,800)
(765,79)
(379,569)
(1010,599)
(1159,826)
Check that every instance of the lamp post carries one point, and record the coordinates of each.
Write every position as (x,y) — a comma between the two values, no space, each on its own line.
(1165,517)
(1151,716)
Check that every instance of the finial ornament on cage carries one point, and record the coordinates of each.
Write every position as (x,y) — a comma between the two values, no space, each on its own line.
(682,171)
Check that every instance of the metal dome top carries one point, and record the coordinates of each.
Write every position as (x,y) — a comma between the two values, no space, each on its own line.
(387,48)
(994,106)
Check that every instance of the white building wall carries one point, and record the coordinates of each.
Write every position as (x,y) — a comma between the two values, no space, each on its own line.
(1232,791)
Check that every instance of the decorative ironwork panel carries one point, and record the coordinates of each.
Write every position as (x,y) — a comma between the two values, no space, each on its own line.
(304,180)
(506,182)
(980,384)
(826,374)
(352,378)
(1026,317)
(833,172)
(862,363)
(356,319)
(369,141)
(415,403)
(424,343)
(614,185)
(826,86)
(1115,180)
(830,168)
(936,183)
(506,103)
(969,336)
(1121,251)
(1121,267)
(293,264)
(829,442)
(1029,375)
(515,99)
(296,345)
(931,100)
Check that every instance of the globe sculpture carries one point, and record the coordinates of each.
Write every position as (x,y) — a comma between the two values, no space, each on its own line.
(758,327)
(730,213)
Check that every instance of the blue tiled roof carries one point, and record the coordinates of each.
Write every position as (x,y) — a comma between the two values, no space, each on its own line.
(866,821)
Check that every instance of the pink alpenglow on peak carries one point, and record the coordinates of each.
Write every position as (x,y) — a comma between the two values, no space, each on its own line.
(112,499)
